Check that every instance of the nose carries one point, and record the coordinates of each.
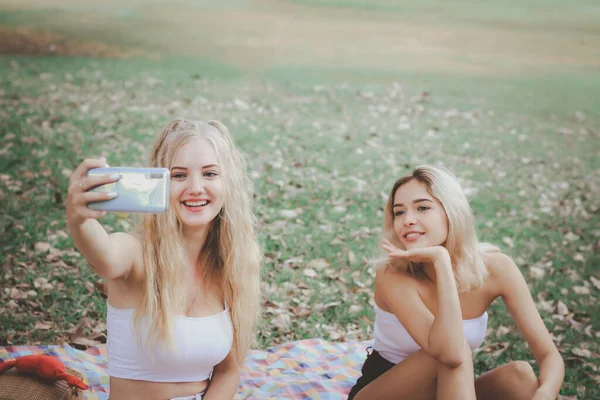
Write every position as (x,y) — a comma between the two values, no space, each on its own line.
(409,218)
(196,185)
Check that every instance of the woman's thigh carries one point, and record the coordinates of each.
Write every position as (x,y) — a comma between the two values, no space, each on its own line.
(412,378)
(512,381)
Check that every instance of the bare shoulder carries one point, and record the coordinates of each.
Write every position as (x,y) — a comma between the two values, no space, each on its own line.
(390,280)
(503,270)
(395,275)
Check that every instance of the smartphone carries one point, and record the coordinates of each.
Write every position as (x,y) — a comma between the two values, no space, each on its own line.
(140,190)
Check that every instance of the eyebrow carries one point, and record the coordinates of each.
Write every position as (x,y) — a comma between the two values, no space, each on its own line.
(204,167)
(414,202)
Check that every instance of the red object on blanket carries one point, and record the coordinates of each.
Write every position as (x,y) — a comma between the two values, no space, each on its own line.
(44,366)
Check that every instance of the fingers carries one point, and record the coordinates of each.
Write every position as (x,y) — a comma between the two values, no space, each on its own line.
(87,213)
(393,250)
(386,244)
(90,182)
(78,213)
(78,210)
(389,248)
(91,197)
(79,195)
(85,166)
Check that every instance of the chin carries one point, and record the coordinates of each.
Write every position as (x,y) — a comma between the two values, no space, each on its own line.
(420,244)
(415,245)
(196,222)
(191,222)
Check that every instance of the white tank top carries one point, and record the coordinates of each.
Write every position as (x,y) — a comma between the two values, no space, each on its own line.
(200,344)
(394,343)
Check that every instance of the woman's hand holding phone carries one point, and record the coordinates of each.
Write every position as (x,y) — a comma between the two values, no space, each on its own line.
(78,195)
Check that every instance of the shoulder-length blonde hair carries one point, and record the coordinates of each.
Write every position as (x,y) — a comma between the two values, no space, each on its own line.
(231,253)
(466,253)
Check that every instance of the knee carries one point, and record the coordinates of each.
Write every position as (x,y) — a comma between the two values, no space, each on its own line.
(523,376)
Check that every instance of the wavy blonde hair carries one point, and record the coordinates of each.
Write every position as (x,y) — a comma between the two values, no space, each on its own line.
(230,253)
(466,252)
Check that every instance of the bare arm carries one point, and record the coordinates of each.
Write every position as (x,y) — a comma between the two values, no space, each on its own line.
(225,379)
(111,256)
(446,336)
(441,336)
(520,304)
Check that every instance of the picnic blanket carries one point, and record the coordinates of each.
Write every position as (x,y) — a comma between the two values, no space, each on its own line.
(305,369)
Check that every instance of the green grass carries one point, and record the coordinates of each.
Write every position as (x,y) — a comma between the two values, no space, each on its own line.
(325,142)
(533,13)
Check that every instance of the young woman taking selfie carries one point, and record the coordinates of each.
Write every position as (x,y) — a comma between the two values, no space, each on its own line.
(183,292)
(431,296)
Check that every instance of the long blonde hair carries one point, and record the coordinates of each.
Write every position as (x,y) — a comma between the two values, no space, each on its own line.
(231,253)
(466,252)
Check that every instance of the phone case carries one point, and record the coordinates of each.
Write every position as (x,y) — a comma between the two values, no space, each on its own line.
(142,190)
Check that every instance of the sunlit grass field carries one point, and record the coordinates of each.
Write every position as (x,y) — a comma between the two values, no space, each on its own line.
(330,102)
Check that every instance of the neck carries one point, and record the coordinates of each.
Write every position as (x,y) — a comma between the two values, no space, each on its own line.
(194,241)
(429,271)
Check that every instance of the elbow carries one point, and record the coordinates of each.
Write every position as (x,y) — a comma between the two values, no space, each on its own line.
(104,269)
(455,356)
(452,360)
(101,271)
(555,360)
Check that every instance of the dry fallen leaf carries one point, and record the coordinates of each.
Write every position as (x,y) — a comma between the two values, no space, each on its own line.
(536,272)
(318,264)
(502,331)
(494,349)
(289,213)
(561,308)
(82,341)
(38,282)
(42,247)
(311,273)
(43,326)
(508,241)
(351,257)
(571,237)
(281,322)
(581,352)
(581,290)
(17,294)
(353,309)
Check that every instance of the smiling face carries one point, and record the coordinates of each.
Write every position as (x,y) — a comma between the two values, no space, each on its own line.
(196,193)
(419,219)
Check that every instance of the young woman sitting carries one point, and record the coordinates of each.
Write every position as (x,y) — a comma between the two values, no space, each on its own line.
(431,296)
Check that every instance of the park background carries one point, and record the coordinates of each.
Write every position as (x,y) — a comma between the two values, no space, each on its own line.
(330,101)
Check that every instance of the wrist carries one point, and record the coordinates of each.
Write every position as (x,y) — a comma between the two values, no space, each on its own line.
(443,260)
(73,224)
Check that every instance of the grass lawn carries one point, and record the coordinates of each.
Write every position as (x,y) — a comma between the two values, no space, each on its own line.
(330,102)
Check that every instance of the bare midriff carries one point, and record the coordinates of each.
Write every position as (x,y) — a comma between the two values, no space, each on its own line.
(128,389)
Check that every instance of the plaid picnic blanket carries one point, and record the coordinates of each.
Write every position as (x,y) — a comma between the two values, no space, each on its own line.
(305,369)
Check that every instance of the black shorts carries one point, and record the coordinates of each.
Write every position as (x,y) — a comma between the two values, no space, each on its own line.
(375,365)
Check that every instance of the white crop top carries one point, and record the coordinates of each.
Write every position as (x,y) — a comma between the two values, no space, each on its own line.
(200,344)
(394,343)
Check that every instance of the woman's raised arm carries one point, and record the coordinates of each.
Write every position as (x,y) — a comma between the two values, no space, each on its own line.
(111,256)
